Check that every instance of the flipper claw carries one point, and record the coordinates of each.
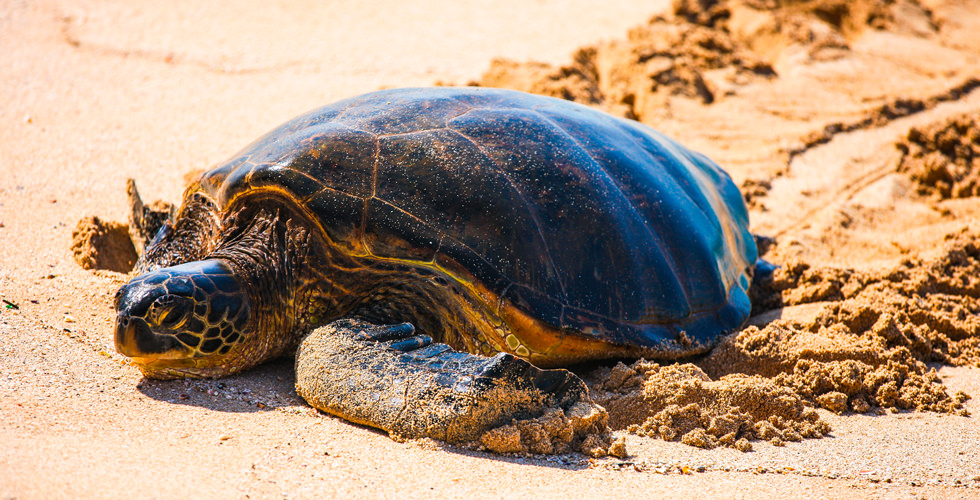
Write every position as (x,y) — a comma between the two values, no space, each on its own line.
(411,343)
(367,331)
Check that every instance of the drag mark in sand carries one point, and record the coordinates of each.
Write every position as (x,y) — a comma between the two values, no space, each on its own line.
(836,169)
(884,115)
(162,56)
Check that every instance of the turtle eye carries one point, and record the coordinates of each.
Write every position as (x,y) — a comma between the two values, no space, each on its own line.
(170,311)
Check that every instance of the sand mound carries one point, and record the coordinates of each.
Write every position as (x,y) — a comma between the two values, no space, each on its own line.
(943,159)
(928,307)
(705,49)
(114,246)
(680,402)
(862,346)
(98,244)
(661,58)
(868,345)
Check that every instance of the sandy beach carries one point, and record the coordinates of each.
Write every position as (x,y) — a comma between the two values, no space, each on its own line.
(852,129)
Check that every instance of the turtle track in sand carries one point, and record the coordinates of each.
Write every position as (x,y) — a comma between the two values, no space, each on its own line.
(843,175)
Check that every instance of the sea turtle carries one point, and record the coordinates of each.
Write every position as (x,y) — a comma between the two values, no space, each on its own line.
(492,221)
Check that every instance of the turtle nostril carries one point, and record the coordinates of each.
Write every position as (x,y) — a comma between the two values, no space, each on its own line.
(124,337)
(135,338)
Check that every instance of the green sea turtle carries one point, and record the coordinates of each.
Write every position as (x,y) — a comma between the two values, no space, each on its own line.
(447,235)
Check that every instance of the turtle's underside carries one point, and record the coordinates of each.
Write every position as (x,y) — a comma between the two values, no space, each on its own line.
(493,221)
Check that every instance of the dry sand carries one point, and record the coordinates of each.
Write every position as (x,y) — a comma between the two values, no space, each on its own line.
(851,127)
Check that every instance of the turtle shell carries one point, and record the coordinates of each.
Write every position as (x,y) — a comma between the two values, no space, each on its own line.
(595,225)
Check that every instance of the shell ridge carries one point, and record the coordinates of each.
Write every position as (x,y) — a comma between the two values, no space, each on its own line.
(410,132)
(362,228)
(353,104)
(306,199)
(737,212)
(500,297)
(442,236)
(476,253)
(469,108)
(685,186)
(692,192)
(406,212)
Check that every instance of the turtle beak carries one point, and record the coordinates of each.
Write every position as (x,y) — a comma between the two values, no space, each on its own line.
(134,339)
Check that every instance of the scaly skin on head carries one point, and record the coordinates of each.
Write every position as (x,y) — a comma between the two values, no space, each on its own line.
(172,320)
(216,316)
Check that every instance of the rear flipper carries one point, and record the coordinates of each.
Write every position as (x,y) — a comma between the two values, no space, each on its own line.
(390,378)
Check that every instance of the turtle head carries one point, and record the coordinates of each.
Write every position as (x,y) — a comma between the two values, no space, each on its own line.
(190,320)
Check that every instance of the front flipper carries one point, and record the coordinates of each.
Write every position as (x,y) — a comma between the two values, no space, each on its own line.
(145,221)
(390,378)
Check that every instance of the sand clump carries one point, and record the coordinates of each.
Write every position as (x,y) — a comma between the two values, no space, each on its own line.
(98,244)
(681,403)
(943,159)
(704,50)
(582,428)
(928,307)
(872,335)
(115,246)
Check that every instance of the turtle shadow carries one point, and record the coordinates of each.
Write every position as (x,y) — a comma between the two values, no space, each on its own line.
(264,388)
(566,461)
(271,386)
